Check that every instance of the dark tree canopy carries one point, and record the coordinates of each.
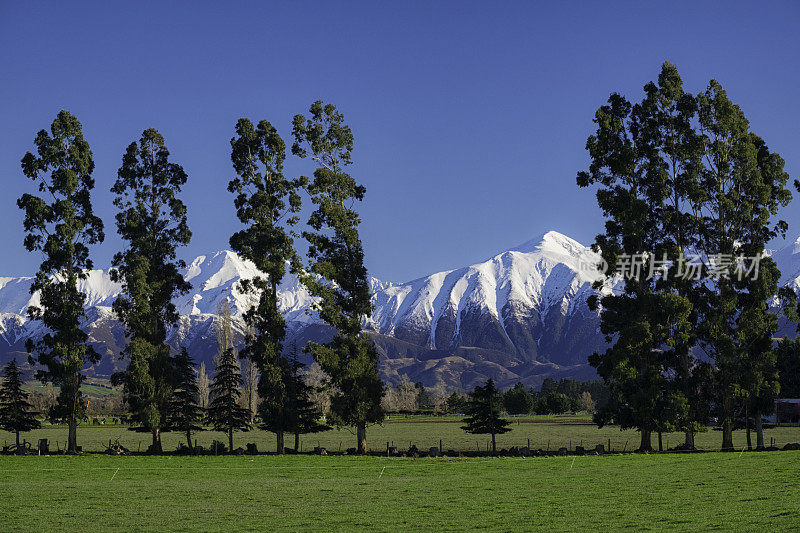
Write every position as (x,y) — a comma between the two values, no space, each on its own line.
(337,275)
(61,225)
(152,220)
(16,413)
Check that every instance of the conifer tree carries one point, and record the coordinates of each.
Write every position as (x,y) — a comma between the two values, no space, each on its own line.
(286,405)
(184,412)
(15,411)
(483,413)
(337,275)
(62,226)
(267,204)
(225,413)
(152,219)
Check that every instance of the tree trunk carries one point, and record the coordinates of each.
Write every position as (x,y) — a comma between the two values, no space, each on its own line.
(689,442)
(759,431)
(189,438)
(494,445)
(280,447)
(727,435)
(660,442)
(72,440)
(296,441)
(749,441)
(230,440)
(361,437)
(646,444)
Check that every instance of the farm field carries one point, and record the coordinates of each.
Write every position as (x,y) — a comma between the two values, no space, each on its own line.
(544,432)
(690,492)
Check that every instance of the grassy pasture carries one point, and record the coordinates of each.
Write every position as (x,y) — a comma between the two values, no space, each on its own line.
(753,491)
(543,432)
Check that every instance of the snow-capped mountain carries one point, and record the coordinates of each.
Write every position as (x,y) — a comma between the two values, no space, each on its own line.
(520,315)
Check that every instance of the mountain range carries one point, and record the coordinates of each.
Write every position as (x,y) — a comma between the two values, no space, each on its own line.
(518,316)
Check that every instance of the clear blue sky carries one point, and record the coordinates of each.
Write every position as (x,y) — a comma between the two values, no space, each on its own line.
(470,118)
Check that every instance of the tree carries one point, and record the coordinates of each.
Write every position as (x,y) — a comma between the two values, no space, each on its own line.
(587,404)
(457,403)
(295,412)
(62,226)
(152,219)
(267,204)
(744,186)
(319,391)
(483,413)
(203,386)
(337,275)
(224,413)
(788,363)
(184,412)
(517,400)
(15,411)
(649,322)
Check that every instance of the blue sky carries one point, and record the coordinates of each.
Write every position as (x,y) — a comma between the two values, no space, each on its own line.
(470,118)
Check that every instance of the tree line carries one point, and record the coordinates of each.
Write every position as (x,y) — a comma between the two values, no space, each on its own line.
(686,186)
(160,386)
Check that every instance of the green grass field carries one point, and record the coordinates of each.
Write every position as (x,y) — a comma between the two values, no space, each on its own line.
(543,432)
(730,491)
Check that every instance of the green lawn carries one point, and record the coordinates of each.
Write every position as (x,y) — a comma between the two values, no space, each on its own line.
(753,491)
(543,432)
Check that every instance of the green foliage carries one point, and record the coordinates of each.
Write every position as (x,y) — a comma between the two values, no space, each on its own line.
(224,413)
(184,412)
(15,411)
(337,275)
(788,363)
(456,403)
(483,413)
(152,219)
(285,402)
(518,401)
(61,225)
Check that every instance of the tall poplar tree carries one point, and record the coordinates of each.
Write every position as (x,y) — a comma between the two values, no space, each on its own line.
(61,224)
(152,219)
(267,204)
(337,275)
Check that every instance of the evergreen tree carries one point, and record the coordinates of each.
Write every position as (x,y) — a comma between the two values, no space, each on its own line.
(517,400)
(337,275)
(15,411)
(61,225)
(287,408)
(225,413)
(267,203)
(152,219)
(184,412)
(483,413)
